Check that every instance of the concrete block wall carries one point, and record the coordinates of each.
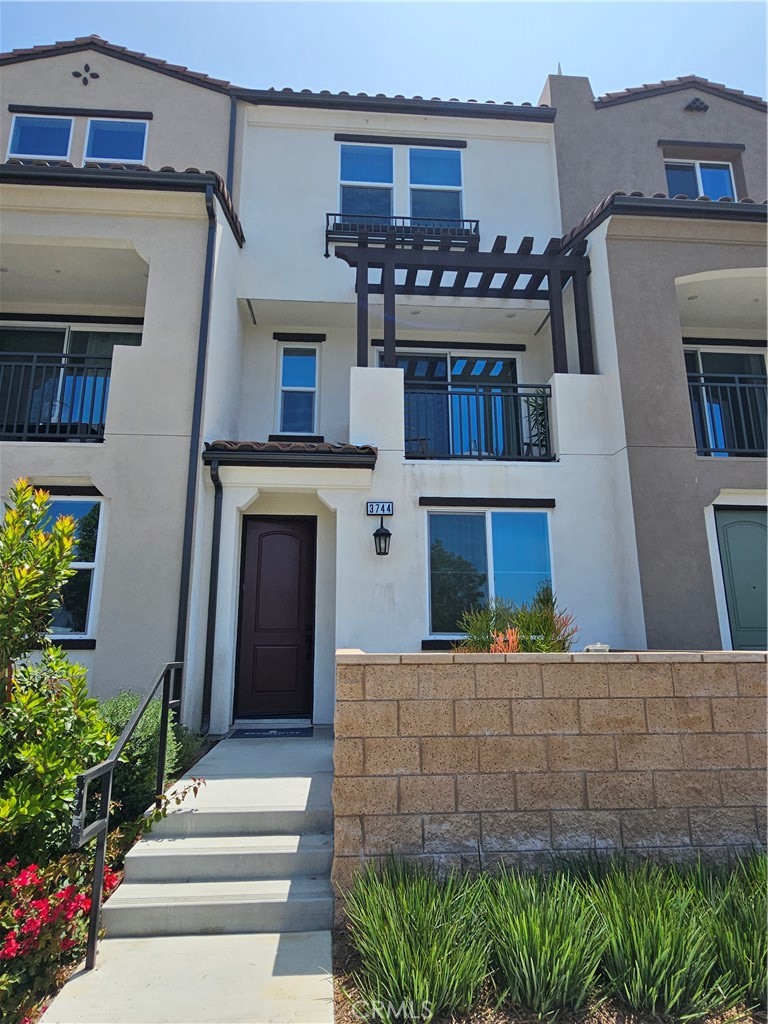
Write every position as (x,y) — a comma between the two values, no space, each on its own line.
(473,760)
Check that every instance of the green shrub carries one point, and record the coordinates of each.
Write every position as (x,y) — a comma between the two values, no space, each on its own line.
(135,778)
(423,950)
(660,957)
(190,743)
(541,626)
(546,941)
(50,731)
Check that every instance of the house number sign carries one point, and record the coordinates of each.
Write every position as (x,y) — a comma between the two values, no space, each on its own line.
(379,508)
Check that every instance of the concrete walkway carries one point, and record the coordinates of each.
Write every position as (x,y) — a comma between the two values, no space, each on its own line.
(209,924)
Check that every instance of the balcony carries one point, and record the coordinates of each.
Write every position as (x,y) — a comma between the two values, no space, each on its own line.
(729,414)
(53,397)
(498,423)
(405,231)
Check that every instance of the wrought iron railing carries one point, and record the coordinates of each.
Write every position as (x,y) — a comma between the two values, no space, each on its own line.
(348,227)
(82,833)
(478,421)
(53,397)
(729,413)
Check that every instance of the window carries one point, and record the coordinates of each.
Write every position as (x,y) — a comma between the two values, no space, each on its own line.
(75,615)
(41,138)
(123,141)
(728,401)
(474,556)
(435,181)
(695,178)
(366,182)
(298,390)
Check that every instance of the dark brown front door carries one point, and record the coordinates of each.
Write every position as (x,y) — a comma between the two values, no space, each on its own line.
(277,617)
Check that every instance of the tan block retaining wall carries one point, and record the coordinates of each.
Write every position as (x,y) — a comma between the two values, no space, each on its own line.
(476,759)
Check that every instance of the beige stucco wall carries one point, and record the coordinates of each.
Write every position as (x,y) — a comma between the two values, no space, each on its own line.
(480,760)
(638,261)
(141,467)
(190,125)
(616,147)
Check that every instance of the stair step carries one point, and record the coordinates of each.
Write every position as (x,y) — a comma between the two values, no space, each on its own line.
(203,858)
(212,908)
(244,821)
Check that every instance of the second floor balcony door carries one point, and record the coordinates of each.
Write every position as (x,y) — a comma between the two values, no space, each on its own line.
(728,402)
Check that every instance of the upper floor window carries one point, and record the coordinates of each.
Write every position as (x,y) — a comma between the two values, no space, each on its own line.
(435,183)
(40,138)
(696,178)
(298,390)
(367,179)
(119,141)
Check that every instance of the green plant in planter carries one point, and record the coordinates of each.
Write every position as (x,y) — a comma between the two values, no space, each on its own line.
(540,625)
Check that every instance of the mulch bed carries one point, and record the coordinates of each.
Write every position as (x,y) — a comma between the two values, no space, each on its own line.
(346,1002)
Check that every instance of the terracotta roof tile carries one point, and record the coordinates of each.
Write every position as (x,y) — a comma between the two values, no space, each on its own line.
(280,447)
(638,92)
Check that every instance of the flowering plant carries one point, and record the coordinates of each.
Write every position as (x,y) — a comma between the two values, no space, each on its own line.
(43,927)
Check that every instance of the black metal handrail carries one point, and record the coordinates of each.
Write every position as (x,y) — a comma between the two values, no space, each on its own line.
(169,679)
(504,422)
(406,231)
(53,396)
(729,413)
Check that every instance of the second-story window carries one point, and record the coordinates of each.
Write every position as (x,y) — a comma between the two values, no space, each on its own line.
(119,141)
(435,182)
(694,178)
(367,177)
(40,138)
(298,390)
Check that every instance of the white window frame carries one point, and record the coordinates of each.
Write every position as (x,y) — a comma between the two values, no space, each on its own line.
(435,188)
(40,156)
(486,513)
(369,184)
(281,348)
(96,566)
(696,164)
(113,159)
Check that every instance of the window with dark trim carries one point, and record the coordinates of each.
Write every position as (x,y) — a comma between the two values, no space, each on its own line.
(75,615)
(694,178)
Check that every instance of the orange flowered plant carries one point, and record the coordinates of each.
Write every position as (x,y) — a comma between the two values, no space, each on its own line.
(506,642)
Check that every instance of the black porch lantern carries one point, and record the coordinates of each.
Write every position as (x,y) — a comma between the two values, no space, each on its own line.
(381,539)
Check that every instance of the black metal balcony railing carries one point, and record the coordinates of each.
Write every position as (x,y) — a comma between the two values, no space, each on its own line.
(53,397)
(480,421)
(729,413)
(347,227)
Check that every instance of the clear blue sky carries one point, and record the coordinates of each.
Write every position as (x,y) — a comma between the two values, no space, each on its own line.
(500,51)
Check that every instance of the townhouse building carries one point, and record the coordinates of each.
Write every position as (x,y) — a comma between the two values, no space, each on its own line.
(322,371)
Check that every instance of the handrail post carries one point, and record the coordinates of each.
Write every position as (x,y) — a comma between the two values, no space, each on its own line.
(163,744)
(97,889)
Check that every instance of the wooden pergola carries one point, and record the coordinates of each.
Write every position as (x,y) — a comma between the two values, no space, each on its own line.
(497,274)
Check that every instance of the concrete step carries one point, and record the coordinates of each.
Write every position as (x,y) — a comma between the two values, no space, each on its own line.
(213,908)
(221,858)
(246,821)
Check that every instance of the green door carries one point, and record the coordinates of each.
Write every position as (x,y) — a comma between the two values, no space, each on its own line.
(741,535)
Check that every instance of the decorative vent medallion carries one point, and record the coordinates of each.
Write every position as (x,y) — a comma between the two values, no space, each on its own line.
(697,106)
(85,75)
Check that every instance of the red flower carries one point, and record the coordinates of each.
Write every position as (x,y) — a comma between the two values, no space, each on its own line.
(66,944)
(10,948)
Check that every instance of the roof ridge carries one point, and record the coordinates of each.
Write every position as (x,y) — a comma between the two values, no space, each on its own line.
(672,85)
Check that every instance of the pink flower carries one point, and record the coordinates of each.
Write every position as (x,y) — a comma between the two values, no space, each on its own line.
(10,948)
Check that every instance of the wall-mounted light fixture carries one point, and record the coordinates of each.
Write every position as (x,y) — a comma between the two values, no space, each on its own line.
(381,539)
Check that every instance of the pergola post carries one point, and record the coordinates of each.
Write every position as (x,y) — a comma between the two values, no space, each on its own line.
(557,322)
(362,312)
(583,324)
(388,282)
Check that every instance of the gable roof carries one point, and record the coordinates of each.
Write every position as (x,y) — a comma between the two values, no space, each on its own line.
(100,45)
(643,92)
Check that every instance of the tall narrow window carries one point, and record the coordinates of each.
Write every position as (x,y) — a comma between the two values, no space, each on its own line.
(435,177)
(474,556)
(298,390)
(366,183)
(123,141)
(75,614)
(42,138)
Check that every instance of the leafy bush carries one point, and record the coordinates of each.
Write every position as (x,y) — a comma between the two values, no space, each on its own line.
(660,956)
(34,563)
(423,950)
(135,777)
(190,743)
(43,927)
(50,730)
(546,941)
(540,626)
